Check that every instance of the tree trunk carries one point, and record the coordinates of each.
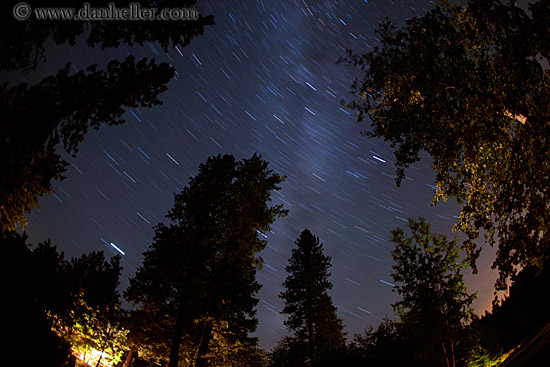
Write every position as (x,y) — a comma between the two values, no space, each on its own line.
(181,317)
(446,356)
(453,352)
(451,342)
(129,356)
(204,345)
(311,341)
(176,338)
(212,309)
(103,347)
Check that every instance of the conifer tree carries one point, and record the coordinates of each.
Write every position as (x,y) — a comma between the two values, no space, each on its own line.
(311,315)
(198,279)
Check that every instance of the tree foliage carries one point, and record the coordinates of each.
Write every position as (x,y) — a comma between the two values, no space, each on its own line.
(91,319)
(434,305)
(317,330)
(95,334)
(291,351)
(55,304)
(22,42)
(61,108)
(467,84)
(23,316)
(381,346)
(199,274)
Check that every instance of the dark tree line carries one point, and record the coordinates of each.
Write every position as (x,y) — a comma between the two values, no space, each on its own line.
(62,304)
(75,303)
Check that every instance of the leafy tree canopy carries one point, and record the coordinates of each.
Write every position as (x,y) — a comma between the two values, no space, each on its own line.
(434,305)
(467,84)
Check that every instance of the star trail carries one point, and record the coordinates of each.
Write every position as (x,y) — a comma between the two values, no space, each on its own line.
(263,79)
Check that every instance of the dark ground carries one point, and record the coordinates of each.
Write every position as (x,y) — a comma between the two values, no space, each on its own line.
(535,352)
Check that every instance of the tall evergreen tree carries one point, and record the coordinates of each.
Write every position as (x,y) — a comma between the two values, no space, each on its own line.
(311,315)
(198,276)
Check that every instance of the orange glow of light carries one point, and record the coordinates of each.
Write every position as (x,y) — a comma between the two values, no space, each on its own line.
(91,357)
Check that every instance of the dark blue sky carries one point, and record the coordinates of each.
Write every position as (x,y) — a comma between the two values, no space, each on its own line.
(263,79)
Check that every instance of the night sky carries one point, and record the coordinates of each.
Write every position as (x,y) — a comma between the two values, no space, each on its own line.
(263,79)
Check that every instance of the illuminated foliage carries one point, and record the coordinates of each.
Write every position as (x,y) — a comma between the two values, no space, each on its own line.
(467,85)
(434,305)
(94,336)
(61,305)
